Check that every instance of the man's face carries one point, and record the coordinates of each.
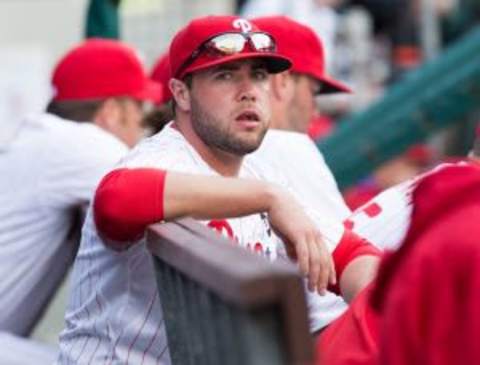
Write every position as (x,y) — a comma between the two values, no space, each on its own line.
(302,107)
(230,108)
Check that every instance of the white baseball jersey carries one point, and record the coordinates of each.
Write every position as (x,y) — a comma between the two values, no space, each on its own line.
(302,164)
(114,314)
(385,220)
(50,167)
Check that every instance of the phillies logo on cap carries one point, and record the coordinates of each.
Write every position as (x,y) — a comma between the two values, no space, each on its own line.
(242,24)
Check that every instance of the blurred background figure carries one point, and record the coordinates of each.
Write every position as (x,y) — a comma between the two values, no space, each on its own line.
(294,92)
(286,146)
(51,165)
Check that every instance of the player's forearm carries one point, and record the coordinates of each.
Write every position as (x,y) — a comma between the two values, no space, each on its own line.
(206,197)
(128,200)
(357,275)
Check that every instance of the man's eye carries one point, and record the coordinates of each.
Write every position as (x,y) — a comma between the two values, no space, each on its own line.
(260,74)
(224,75)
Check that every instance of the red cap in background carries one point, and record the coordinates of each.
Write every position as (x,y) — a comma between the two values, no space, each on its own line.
(200,30)
(161,74)
(302,46)
(102,68)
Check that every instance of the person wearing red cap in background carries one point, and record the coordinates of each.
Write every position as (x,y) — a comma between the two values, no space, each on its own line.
(51,168)
(286,146)
(220,67)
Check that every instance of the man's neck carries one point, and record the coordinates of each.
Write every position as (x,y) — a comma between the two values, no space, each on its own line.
(226,164)
(279,118)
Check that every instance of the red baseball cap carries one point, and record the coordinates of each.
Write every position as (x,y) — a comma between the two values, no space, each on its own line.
(161,74)
(200,30)
(102,68)
(300,44)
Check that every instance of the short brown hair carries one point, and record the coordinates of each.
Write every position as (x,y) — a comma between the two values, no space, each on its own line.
(76,110)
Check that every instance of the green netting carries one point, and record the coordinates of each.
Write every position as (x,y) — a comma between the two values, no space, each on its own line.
(432,97)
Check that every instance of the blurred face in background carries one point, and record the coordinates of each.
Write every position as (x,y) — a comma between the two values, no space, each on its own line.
(123,117)
(302,107)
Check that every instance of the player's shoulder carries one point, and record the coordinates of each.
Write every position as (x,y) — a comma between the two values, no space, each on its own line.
(255,166)
(282,138)
(283,147)
(78,132)
(77,141)
(165,149)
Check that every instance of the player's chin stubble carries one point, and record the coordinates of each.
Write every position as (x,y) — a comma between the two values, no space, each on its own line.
(214,134)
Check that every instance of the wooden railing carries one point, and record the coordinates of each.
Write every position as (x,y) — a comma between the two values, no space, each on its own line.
(225,305)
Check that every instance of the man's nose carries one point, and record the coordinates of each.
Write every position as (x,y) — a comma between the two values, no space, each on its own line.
(247,90)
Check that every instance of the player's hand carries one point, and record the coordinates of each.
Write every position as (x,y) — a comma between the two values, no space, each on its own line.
(303,241)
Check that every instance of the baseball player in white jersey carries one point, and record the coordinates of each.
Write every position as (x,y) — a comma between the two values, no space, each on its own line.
(220,85)
(53,163)
(286,147)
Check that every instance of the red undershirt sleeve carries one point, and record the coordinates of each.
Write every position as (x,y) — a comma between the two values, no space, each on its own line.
(349,248)
(126,202)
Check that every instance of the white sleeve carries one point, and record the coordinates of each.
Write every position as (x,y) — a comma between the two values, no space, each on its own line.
(77,165)
(384,221)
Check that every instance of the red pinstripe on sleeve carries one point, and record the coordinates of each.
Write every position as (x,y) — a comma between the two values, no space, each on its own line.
(349,248)
(126,202)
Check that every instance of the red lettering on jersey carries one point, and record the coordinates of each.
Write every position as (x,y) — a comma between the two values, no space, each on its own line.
(372,210)
(348,224)
(222,227)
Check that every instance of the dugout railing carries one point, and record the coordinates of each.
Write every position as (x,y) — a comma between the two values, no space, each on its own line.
(225,305)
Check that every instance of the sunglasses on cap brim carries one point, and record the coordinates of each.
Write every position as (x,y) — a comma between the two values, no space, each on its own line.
(228,44)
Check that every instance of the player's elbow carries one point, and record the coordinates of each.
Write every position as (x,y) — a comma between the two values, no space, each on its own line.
(113,213)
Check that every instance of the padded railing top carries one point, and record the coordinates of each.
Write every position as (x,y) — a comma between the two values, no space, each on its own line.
(218,264)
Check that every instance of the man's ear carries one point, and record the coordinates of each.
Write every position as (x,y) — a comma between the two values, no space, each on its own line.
(282,86)
(181,94)
(108,114)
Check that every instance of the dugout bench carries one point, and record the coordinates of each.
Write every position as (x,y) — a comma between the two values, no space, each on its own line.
(225,305)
